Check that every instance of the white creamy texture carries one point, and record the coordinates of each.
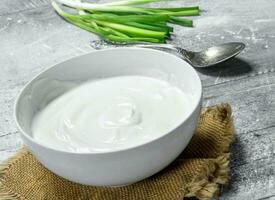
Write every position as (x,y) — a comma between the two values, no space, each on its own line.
(110,114)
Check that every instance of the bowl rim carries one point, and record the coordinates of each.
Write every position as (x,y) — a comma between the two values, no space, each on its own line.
(19,95)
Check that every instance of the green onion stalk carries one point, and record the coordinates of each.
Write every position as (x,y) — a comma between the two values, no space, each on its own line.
(124,21)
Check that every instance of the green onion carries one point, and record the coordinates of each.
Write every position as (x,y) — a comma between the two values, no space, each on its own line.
(133,31)
(166,29)
(123,21)
(180,9)
(181,21)
(126,18)
(119,39)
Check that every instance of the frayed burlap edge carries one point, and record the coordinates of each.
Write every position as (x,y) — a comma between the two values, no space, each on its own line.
(206,185)
(208,182)
(5,193)
(224,114)
(215,173)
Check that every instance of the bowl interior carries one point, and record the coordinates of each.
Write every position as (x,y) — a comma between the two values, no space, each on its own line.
(100,64)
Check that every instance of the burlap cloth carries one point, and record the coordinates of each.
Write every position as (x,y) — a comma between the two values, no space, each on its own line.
(199,171)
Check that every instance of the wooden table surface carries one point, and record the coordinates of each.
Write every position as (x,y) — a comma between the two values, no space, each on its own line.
(33,37)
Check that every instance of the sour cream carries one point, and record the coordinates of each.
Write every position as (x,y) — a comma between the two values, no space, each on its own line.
(110,114)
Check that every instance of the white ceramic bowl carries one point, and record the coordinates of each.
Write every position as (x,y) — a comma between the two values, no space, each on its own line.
(125,166)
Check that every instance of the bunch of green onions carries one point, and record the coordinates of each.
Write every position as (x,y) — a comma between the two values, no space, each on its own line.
(125,21)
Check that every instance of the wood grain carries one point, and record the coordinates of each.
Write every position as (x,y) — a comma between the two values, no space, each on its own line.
(8,7)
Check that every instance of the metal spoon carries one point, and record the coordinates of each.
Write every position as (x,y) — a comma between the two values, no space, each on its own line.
(205,58)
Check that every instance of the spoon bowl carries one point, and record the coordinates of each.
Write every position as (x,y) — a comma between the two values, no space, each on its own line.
(214,55)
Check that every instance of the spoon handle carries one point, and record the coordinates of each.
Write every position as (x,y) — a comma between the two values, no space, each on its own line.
(182,53)
(101,44)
